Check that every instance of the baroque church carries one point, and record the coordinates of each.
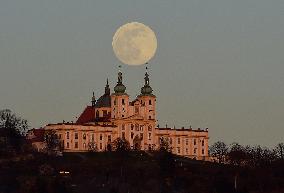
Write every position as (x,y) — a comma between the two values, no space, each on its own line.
(114,115)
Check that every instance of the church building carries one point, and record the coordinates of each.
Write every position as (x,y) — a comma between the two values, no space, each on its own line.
(114,115)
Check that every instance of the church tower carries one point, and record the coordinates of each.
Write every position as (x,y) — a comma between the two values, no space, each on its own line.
(148,99)
(119,100)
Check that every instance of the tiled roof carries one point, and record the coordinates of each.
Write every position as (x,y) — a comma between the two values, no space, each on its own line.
(88,115)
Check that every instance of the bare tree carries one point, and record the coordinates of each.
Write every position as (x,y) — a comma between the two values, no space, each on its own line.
(219,150)
(92,146)
(279,150)
(52,141)
(237,154)
(164,145)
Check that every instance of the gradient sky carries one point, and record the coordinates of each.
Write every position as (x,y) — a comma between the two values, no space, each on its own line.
(219,63)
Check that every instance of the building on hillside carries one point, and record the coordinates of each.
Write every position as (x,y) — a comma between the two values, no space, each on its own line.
(115,116)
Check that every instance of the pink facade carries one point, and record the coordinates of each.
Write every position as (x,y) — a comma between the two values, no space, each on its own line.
(115,115)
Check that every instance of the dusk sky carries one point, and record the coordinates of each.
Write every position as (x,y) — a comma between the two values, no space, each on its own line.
(219,63)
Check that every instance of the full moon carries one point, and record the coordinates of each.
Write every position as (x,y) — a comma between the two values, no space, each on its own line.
(134,43)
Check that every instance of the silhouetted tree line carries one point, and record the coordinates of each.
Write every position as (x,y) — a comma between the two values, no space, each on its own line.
(252,156)
(12,132)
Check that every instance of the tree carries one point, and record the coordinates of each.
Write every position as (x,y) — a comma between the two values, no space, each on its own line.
(237,154)
(52,141)
(164,145)
(92,146)
(279,150)
(12,130)
(219,150)
(121,145)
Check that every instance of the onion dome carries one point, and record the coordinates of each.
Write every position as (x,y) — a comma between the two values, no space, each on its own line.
(119,88)
(104,100)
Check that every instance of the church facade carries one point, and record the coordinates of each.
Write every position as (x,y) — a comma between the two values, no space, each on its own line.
(115,116)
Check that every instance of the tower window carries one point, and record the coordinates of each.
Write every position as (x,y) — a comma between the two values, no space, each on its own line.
(150,102)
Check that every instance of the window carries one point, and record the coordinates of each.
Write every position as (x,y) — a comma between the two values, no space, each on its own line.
(150,102)
(178,140)
(186,141)
(97,114)
(105,113)
(136,110)
(141,136)
(76,135)
(114,102)
(101,146)
(132,134)
(195,149)
(132,126)
(171,141)
(178,150)
(122,115)
(84,145)
(186,151)
(60,136)
(149,128)
(123,135)
(84,136)
(202,151)
(76,145)
(141,127)
(109,138)
(123,127)
(150,117)
(149,136)
(194,141)
(203,142)
(136,127)
(67,135)
(67,145)
(93,136)
(123,102)
(101,137)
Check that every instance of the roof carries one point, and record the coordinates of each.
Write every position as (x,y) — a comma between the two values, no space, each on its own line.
(88,115)
(103,101)
(184,129)
(38,135)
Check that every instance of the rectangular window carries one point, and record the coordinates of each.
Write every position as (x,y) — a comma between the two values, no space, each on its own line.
(136,127)
(101,137)
(136,110)
(186,151)
(84,136)
(141,136)
(150,102)
(60,136)
(132,135)
(141,127)
(93,136)
(186,142)
(123,135)
(109,138)
(202,151)
(202,142)
(105,113)
(67,145)
(67,135)
(76,135)
(149,136)
(123,127)
(178,150)
(123,102)
(194,141)
(101,146)
(195,149)
(76,145)
(84,145)
(178,140)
